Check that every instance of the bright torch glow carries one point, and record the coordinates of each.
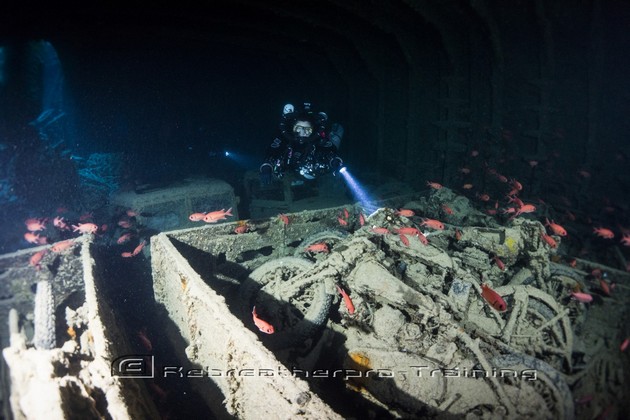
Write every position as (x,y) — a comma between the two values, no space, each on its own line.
(358,191)
(242,159)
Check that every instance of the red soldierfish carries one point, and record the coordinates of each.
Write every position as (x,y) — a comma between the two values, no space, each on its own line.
(381,230)
(556,228)
(447,209)
(346,300)
(241,229)
(215,216)
(526,208)
(605,286)
(499,263)
(549,240)
(124,238)
(35,225)
(146,343)
(433,224)
(582,297)
(60,223)
(406,213)
(514,199)
(493,298)
(37,257)
(137,250)
(262,325)
(34,238)
(124,223)
(517,185)
(196,217)
(62,246)
(407,230)
(85,228)
(604,233)
(318,247)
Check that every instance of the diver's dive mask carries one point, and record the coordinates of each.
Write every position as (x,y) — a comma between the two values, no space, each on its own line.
(302,130)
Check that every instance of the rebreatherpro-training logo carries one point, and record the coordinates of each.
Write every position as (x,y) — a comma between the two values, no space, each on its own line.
(143,366)
(134,366)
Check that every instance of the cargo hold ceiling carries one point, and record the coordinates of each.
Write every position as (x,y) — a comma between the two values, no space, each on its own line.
(345,57)
(407,77)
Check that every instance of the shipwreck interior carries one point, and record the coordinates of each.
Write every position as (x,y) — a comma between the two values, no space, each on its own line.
(418,85)
(131,139)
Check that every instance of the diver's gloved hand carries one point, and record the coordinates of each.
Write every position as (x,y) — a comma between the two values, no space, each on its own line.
(336,134)
(265,174)
(335,164)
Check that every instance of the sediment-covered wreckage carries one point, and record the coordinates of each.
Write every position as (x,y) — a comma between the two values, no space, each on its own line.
(381,323)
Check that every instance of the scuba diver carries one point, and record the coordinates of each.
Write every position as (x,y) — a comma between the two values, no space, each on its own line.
(303,146)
